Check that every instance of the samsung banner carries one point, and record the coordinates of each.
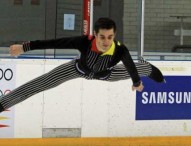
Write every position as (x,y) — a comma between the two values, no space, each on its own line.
(165,101)
(7,83)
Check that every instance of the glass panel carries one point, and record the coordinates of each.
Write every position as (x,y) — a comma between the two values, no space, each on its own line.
(164,21)
(168,29)
(21,24)
(131,25)
(68,23)
(46,21)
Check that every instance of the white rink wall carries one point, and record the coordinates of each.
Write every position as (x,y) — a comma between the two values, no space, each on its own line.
(89,108)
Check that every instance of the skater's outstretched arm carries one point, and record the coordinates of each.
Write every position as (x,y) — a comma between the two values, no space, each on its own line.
(78,42)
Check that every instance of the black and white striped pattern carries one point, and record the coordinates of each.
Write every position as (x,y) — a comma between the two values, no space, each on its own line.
(26,46)
(49,80)
(119,72)
(96,62)
(68,71)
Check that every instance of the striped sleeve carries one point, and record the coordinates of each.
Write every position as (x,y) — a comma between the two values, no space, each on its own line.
(26,46)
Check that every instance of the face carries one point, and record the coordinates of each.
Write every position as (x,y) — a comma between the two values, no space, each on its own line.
(104,39)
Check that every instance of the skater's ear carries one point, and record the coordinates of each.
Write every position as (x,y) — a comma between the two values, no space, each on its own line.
(95,34)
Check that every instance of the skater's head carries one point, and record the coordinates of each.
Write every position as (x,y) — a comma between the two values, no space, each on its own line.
(104,32)
(104,23)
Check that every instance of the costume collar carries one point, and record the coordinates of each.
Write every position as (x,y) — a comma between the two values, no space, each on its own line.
(110,51)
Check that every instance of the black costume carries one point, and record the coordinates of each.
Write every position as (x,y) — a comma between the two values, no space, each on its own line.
(90,65)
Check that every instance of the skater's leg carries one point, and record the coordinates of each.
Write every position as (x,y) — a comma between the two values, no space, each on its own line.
(49,80)
(155,74)
(119,72)
(144,68)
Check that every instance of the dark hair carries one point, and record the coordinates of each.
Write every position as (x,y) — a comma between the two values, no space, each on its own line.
(104,23)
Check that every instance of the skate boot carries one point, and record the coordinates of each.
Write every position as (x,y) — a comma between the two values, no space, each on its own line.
(1,108)
(155,74)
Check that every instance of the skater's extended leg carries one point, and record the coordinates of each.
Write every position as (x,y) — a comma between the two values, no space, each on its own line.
(144,68)
(49,80)
(119,72)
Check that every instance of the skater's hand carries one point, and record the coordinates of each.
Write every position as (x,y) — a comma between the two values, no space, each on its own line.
(16,50)
(139,88)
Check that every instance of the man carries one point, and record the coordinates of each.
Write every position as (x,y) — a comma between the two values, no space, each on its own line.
(99,58)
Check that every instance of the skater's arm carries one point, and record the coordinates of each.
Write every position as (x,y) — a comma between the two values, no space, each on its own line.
(131,68)
(61,43)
